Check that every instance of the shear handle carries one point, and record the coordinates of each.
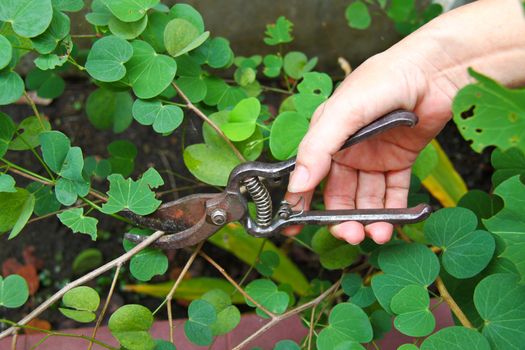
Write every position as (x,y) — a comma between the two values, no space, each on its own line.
(276,170)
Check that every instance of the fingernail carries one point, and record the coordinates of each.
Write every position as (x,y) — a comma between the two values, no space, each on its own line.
(298,179)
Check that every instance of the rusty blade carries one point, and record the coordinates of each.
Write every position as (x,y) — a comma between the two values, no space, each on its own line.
(183,220)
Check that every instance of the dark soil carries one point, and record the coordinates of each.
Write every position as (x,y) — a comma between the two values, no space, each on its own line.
(54,244)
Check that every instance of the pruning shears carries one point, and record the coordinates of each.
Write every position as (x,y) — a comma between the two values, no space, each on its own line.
(192,219)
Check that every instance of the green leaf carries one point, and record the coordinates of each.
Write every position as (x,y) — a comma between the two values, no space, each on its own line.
(80,304)
(68,5)
(400,10)
(16,208)
(357,15)
(47,84)
(266,293)
(234,239)
(100,15)
(403,264)
(333,253)
(107,109)
(67,191)
(45,200)
(215,52)
(221,94)
(148,262)
(381,323)
(279,33)
(94,166)
(242,119)
(201,315)
(122,157)
(74,219)
(408,347)
(164,345)
(164,118)
(136,196)
(55,147)
(50,61)
(509,223)
(127,30)
(296,64)
(481,203)
(500,301)
(245,76)
(59,28)
(154,32)
(148,72)
(286,345)
(507,164)
(359,294)
(130,10)
(426,161)
(193,87)
(228,316)
(13,291)
(87,260)
(106,58)
(347,322)
(455,338)
(29,18)
(6,52)
(11,87)
(466,251)
(181,36)
(209,164)
(7,183)
(7,130)
(188,13)
(314,89)
(272,65)
(414,318)
(130,324)
(268,262)
(287,132)
(489,114)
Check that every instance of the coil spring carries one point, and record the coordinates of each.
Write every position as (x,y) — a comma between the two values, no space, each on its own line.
(261,198)
(285,210)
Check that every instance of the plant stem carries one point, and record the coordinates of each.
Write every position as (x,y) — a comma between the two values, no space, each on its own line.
(27,173)
(169,297)
(33,107)
(278,318)
(232,281)
(311,328)
(209,121)
(106,304)
(82,280)
(452,304)
(37,156)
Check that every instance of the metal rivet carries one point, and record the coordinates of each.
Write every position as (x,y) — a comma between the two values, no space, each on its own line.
(218,217)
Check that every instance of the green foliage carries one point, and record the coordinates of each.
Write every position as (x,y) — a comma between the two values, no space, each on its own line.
(11,87)
(266,293)
(6,52)
(412,307)
(286,345)
(7,183)
(15,210)
(347,322)
(80,304)
(13,291)
(76,220)
(228,315)
(287,132)
(122,157)
(268,262)
(358,16)
(296,63)
(130,324)
(242,120)
(87,260)
(181,36)
(201,315)
(164,118)
(47,83)
(106,58)
(279,33)
(333,253)
(507,164)
(29,18)
(148,262)
(455,338)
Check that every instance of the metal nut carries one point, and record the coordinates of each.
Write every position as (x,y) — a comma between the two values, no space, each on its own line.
(218,217)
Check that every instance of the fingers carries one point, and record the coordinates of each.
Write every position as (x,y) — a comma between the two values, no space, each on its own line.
(301,201)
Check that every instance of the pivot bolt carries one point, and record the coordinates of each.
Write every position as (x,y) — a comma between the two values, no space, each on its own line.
(218,217)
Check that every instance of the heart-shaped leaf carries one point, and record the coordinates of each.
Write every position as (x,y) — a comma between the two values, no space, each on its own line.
(414,318)
(80,304)
(130,324)
(13,291)
(74,219)
(228,316)
(122,157)
(149,73)
(221,94)
(296,64)
(106,58)
(164,118)
(242,119)
(130,10)
(59,28)
(181,36)
(148,262)
(11,87)
(466,251)
(29,18)
(266,293)
(215,52)
(201,315)
(272,65)
(347,322)
(107,109)
(46,83)
(127,30)
(455,338)
(6,52)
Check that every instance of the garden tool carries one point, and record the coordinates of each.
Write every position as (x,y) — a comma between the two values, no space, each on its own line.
(192,219)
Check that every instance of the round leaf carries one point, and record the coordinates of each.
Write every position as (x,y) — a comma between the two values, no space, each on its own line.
(286,345)
(500,301)
(11,87)
(58,29)
(201,314)
(181,36)
(29,18)
(109,109)
(148,262)
(242,119)
(455,338)
(287,132)
(7,183)
(215,52)
(466,251)
(347,322)
(411,304)
(46,83)
(266,293)
(130,10)
(13,291)
(106,58)
(122,157)
(127,30)
(296,64)
(148,72)
(210,164)
(358,16)
(188,13)
(6,51)
(164,118)
(130,325)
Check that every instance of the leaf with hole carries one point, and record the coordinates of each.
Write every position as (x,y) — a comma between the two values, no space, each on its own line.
(266,293)
(347,322)
(80,304)
(412,306)
(75,219)
(279,32)
(13,291)
(130,324)
(164,118)
(149,73)
(29,18)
